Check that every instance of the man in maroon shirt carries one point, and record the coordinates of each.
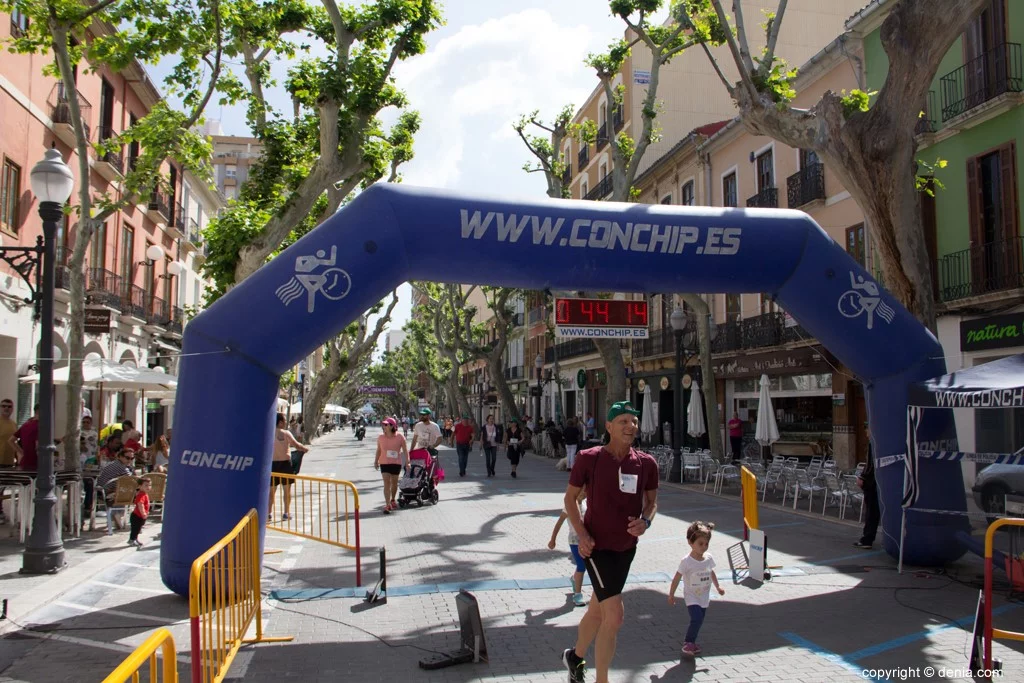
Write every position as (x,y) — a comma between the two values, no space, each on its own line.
(26,442)
(463,442)
(622,498)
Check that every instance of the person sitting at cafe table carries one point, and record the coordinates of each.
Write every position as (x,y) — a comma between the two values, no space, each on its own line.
(107,481)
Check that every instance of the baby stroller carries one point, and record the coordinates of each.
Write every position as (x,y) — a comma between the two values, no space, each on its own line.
(419,485)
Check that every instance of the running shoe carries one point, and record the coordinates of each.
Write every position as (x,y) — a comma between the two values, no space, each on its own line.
(575,665)
(577,599)
(862,544)
(690,650)
(286,517)
(387,509)
(697,649)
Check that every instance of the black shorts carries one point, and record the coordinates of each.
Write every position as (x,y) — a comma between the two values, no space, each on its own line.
(281,467)
(608,570)
(391,469)
(513,454)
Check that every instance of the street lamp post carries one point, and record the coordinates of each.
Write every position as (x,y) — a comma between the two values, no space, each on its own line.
(678,322)
(52,182)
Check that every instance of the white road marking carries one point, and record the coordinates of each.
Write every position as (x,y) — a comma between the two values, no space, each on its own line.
(125,587)
(75,640)
(119,613)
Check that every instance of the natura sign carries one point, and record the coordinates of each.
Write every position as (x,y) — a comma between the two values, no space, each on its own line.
(996,332)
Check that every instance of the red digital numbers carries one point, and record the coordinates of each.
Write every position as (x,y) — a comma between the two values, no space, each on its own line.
(587,310)
(602,311)
(638,313)
(562,312)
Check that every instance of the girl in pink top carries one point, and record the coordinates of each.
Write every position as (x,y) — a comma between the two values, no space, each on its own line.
(391,458)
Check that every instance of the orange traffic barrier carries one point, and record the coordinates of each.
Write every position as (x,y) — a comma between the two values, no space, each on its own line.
(224,599)
(748,488)
(130,668)
(990,632)
(321,509)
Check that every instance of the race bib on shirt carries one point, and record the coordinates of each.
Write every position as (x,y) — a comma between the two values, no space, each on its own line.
(392,455)
(628,482)
(513,442)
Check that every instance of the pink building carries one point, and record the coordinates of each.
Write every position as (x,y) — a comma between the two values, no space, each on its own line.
(134,303)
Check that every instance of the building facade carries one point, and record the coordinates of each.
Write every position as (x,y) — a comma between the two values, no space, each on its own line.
(135,297)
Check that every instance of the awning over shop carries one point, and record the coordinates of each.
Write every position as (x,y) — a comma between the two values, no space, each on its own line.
(998,384)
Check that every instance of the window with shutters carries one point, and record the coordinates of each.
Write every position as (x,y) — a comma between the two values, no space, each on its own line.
(855,243)
(667,199)
(687,194)
(733,307)
(98,247)
(995,259)
(10,197)
(729,190)
(127,253)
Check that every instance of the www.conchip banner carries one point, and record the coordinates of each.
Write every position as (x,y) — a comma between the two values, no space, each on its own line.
(392,234)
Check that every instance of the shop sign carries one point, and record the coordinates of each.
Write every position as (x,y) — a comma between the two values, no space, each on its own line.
(804,361)
(581,378)
(996,332)
(153,407)
(839,399)
(97,320)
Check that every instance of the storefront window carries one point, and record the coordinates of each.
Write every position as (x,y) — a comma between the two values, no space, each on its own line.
(752,385)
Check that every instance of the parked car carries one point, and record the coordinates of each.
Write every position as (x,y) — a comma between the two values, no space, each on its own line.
(993,483)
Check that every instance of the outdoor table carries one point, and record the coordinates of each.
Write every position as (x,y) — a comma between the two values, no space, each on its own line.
(22,486)
(71,484)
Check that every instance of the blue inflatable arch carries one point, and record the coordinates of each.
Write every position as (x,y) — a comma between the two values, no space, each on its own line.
(234,352)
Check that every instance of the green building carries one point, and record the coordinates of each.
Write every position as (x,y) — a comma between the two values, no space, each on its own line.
(975,122)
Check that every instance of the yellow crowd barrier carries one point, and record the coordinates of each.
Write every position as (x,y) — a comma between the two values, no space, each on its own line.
(224,599)
(129,669)
(748,484)
(318,508)
(990,632)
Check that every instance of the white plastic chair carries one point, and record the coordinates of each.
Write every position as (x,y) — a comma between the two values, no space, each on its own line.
(691,463)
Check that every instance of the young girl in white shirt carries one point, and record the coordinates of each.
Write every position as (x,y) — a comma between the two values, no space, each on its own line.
(697,572)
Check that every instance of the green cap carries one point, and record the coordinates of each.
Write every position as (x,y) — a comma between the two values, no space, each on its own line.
(621,408)
(465,416)
(425,411)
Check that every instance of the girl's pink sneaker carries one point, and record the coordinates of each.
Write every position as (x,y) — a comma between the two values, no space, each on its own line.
(690,650)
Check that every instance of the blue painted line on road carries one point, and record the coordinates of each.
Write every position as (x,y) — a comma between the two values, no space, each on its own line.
(429,588)
(836,659)
(963,622)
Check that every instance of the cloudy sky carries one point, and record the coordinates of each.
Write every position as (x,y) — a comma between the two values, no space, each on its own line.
(492,62)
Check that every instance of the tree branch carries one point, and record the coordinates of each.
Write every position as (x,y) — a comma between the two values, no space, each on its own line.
(745,79)
(741,36)
(94,10)
(773,37)
(718,69)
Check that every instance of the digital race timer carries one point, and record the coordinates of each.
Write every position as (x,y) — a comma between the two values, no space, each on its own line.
(601,312)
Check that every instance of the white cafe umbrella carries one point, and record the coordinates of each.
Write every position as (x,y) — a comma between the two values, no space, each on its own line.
(767,430)
(648,423)
(695,412)
(111,376)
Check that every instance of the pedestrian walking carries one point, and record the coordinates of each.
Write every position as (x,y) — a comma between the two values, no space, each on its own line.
(697,573)
(491,435)
(426,433)
(464,442)
(866,482)
(735,425)
(622,499)
(514,444)
(391,458)
(591,426)
(574,548)
(140,513)
(571,435)
(282,464)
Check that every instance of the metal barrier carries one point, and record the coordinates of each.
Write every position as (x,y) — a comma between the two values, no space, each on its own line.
(320,509)
(224,599)
(990,632)
(147,652)
(748,488)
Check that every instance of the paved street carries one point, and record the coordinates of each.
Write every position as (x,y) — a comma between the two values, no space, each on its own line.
(830,612)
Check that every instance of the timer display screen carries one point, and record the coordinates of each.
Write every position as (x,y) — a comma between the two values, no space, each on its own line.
(601,312)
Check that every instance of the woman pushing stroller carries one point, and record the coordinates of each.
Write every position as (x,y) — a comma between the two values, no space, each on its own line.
(391,458)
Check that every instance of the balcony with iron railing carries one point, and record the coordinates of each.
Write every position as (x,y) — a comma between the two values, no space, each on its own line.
(661,342)
(176,322)
(516,372)
(756,332)
(987,76)
(158,313)
(133,302)
(983,269)
(601,190)
(517,319)
(805,186)
(569,349)
(61,273)
(110,164)
(157,208)
(178,227)
(583,157)
(926,123)
(768,198)
(105,288)
(602,137)
(60,114)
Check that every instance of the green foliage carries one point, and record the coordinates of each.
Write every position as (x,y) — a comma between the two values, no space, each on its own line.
(856,101)
(927,181)
(775,80)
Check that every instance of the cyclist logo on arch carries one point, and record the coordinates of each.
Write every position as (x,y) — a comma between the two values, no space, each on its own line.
(863,297)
